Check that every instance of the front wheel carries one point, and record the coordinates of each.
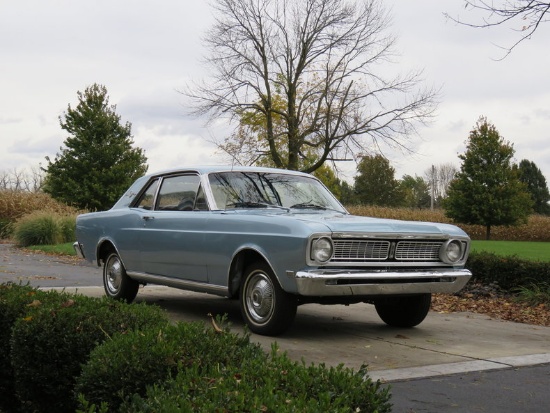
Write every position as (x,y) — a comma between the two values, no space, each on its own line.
(116,282)
(406,311)
(266,308)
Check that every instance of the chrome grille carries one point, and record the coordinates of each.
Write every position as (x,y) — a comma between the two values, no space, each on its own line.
(417,251)
(358,250)
(354,250)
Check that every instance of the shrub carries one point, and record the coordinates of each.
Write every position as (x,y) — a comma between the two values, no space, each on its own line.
(131,362)
(509,272)
(51,343)
(16,204)
(5,228)
(14,304)
(534,294)
(44,228)
(267,384)
(67,225)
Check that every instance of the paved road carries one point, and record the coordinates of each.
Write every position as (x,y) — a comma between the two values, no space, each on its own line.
(451,363)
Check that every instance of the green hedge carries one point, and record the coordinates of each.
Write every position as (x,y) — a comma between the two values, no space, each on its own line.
(66,352)
(53,340)
(265,384)
(131,362)
(14,304)
(509,272)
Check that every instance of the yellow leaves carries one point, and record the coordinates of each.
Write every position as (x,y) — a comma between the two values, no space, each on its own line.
(68,303)
(215,325)
(35,303)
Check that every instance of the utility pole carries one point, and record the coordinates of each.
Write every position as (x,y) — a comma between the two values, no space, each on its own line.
(433,188)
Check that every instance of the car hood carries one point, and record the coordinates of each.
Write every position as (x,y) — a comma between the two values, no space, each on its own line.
(359,224)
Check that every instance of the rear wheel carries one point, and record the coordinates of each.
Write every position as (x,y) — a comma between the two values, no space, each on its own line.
(406,311)
(116,282)
(266,308)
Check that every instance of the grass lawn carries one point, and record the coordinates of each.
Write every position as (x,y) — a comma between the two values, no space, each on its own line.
(536,251)
(62,249)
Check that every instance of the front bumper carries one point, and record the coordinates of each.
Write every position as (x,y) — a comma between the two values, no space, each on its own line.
(324,282)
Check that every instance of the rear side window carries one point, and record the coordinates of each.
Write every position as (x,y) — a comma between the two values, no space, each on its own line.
(178,193)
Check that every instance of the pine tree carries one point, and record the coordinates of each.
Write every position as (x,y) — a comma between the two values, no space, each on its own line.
(532,176)
(487,190)
(98,162)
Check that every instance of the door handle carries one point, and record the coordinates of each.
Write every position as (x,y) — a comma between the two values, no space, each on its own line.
(147,217)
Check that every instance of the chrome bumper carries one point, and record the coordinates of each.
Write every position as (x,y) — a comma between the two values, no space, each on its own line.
(323,283)
(78,249)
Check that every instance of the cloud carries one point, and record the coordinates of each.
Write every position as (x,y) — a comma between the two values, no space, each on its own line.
(144,51)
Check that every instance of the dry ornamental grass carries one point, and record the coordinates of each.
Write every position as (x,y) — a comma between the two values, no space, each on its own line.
(15,204)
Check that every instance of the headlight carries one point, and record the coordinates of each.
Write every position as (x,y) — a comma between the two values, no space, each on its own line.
(452,251)
(321,249)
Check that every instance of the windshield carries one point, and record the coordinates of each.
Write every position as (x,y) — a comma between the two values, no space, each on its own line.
(261,190)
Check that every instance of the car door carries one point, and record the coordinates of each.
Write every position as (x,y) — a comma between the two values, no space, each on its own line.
(172,240)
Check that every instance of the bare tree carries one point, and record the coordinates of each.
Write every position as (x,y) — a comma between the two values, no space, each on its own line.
(34,180)
(22,180)
(4,180)
(18,179)
(439,178)
(529,13)
(312,72)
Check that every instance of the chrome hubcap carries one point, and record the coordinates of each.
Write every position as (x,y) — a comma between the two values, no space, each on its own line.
(259,297)
(113,276)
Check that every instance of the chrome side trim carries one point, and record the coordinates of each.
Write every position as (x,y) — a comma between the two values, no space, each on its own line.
(179,283)
(78,249)
(323,283)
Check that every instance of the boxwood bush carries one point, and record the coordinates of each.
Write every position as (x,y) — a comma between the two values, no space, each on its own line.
(68,352)
(128,363)
(15,301)
(52,341)
(271,383)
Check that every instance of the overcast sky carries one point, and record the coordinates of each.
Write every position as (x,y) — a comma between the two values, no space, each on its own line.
(144,51)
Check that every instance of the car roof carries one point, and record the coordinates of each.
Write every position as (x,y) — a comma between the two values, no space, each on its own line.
(207,169)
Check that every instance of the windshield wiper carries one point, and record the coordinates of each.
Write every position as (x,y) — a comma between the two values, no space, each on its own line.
(249,204)
(306,205)
(309,205)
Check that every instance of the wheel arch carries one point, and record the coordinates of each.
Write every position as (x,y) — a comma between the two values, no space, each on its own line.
(104,248)
(240,261)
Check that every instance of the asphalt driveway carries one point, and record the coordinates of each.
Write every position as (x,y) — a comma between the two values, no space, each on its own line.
(451,362)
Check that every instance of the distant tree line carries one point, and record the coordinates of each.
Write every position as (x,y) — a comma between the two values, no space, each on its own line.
(22,180)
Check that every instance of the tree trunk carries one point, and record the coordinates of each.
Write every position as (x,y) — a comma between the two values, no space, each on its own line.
(488,233)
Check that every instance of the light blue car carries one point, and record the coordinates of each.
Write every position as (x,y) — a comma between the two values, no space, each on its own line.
(272,238)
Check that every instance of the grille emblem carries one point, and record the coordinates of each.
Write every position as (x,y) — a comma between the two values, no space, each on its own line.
(392,250)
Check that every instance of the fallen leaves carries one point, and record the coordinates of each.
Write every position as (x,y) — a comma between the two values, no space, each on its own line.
(496,306)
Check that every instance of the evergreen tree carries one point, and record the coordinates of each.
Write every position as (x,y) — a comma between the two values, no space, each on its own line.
(487,190)
(375,183)
(98,162)
(416,192)
(532,176)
